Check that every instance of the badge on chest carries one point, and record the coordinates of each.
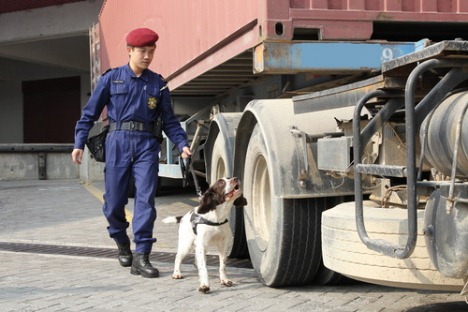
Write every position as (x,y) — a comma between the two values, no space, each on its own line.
(152,102)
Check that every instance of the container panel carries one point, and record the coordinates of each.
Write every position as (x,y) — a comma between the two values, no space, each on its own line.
(197,36)
(383,5)
(187,30)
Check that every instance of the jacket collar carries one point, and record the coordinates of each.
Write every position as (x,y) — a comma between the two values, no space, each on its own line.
(144,74)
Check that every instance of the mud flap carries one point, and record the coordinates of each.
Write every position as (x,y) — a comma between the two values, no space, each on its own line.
(446,231)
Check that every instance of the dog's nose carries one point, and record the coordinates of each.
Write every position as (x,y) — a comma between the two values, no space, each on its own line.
(235,179)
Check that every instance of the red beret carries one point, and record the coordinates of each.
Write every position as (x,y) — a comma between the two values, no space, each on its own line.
(142,37)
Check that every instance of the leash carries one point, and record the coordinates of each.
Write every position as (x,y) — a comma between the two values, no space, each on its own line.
(186,166)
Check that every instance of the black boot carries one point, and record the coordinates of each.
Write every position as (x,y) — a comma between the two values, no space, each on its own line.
(125,253)
(142,266)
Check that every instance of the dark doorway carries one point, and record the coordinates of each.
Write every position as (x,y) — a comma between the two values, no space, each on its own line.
(51,109)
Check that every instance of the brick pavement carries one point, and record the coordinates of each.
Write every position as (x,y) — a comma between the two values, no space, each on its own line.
(67,213)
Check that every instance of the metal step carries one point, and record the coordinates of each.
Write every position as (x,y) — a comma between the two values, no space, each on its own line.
(382,170)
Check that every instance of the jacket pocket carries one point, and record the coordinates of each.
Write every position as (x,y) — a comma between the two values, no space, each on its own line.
(118,89)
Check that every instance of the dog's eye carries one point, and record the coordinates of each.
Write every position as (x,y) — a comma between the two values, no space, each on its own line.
(220,185)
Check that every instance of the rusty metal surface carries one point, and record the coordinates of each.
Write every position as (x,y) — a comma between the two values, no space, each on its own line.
(327,57)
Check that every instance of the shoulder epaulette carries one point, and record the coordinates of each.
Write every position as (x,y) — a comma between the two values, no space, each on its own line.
(164,81)
(107,71)
(162,78)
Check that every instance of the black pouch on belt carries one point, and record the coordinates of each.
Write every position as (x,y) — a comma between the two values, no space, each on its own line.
(157,130)
(97,145)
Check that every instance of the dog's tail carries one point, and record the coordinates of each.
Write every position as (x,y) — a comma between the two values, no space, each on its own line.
(173,219)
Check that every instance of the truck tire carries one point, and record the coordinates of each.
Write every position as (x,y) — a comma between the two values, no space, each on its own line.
(325,276)
(238,245)
(344,252)
(283,235)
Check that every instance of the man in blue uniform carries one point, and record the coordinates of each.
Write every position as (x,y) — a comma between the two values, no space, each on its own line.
(135,96)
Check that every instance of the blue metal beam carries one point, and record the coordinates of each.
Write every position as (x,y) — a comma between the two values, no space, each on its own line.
(327,57)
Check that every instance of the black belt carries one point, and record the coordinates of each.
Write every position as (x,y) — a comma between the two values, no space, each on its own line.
(131,126)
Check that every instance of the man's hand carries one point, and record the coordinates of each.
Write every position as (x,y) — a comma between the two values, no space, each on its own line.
(77,156)
(186,152)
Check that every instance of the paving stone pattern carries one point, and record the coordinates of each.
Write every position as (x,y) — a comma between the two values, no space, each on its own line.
(67,213)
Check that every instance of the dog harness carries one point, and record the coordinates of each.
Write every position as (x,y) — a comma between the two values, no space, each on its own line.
(196,219)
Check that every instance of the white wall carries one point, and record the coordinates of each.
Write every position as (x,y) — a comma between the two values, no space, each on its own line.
(53,43)
(11,97)
(45,43)
(54,21)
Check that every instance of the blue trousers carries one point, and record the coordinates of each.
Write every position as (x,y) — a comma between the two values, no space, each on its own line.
(131,153)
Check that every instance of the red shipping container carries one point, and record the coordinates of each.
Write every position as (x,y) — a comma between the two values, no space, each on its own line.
(196,36)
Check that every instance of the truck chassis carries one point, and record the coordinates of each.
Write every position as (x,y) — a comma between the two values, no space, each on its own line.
(324,171)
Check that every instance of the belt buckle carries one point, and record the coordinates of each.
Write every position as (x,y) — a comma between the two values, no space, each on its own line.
(132,125)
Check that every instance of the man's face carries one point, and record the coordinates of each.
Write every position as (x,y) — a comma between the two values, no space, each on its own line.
(141,57)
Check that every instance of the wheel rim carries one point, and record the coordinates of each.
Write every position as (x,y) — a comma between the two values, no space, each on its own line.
(220,169)
(261,202)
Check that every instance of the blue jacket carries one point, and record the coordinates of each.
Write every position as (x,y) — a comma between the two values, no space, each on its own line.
(131,98)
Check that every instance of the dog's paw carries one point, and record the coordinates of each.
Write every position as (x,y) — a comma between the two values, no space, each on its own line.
(204,289)
(177,276)
(226,283)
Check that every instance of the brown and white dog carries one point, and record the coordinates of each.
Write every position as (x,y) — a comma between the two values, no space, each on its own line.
(205,226)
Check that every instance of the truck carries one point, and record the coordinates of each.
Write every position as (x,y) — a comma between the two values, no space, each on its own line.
(344,121)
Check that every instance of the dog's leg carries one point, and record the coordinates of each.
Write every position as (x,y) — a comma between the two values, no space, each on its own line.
(183,249)
(222,246)
(178,261)
(200,257)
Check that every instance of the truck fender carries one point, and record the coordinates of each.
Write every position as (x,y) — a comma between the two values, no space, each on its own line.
(225,125)
(275,119)
(219,151)
(292,158)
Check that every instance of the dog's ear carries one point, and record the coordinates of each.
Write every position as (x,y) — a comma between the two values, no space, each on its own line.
(240,202)
(209,201)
